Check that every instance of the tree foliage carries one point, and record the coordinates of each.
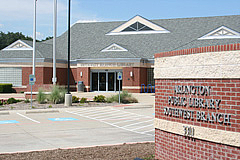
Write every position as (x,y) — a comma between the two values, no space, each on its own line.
(10,37)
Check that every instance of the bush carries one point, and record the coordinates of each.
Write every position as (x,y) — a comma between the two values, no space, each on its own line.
(41,97)
(125,97)
(27,101)
(50,106)
(99,98)
(83,100)
(75,99)
(57,95)
(1,103)
(5,88)
(12,100)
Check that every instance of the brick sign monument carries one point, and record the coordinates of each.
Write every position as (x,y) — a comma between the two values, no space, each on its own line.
(197,103)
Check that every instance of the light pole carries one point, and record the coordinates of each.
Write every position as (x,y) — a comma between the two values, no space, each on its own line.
(54,78)
(68,95)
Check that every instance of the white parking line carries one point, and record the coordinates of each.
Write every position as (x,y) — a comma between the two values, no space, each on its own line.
(141,127)
(126,121)
(28,118)
(110,124)
(108,115)
(99,113)
(137,123)
(149,131)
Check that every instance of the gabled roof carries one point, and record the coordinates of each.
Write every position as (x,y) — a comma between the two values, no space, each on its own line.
(89,39)
(18,45)
(138,25)
(221,33)
(114,48)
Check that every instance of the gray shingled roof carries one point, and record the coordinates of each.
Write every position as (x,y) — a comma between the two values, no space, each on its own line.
(88,39)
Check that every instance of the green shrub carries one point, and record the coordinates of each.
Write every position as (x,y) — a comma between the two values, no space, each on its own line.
(83,100)
(50,106)
(99,98)
(125,97)
(5,88)
(75,99)
(1,103)
(12,100)
(41,97)
(22,92)
(27,101)
(57,95)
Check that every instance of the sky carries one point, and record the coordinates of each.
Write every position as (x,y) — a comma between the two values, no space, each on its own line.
(17,15)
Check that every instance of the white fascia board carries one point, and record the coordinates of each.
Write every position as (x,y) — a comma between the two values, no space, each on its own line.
(208,35)
(136,32)
(18,41)
(118,30)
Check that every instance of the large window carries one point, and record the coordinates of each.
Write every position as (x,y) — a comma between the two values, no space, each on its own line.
(150,76)
(11,75)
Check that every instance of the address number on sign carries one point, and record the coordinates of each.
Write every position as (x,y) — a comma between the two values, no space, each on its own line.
(188,131)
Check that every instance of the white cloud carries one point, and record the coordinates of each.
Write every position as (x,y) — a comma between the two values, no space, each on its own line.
(39,35)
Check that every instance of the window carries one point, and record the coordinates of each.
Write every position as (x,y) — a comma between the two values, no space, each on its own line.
(11,75)
(137,27)
(150,76)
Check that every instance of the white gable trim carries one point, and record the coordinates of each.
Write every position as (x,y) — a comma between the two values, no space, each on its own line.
(14,43)
(210,36)
(121,49)
(156,28)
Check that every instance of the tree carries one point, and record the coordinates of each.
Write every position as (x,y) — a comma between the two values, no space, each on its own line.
(47,38)
(10,37)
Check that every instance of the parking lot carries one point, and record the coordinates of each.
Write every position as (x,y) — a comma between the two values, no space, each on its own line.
(23,130)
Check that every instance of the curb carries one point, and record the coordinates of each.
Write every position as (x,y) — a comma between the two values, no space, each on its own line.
(139,107)
(4,113)
(48,111)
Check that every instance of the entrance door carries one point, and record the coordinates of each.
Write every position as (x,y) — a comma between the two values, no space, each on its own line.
(110,81)
(102,81)
(94,81)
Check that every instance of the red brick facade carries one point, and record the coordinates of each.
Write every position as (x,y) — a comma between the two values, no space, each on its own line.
(227,90)
(175,147)
(85,77)
(139,77)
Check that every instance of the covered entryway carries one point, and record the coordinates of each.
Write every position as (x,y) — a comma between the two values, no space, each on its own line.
(105,80)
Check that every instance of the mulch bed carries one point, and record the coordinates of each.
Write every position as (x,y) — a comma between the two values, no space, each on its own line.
(27,106)
(124,152)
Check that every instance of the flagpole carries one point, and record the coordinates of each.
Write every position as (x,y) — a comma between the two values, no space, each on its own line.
(68,95)
(54,79)
(34,39)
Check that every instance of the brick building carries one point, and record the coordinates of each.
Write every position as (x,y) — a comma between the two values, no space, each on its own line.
(101,49)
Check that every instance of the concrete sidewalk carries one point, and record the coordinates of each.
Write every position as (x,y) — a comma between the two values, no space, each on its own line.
(143,98)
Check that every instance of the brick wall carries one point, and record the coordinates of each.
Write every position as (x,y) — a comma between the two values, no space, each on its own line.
(85,76)
(228,90)
(139,77)
(174,147)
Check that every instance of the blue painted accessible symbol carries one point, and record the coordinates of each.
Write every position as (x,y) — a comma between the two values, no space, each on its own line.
(8,122)
(62,119)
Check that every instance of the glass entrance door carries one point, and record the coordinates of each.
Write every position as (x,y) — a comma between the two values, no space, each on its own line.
(102,81)
(105,81)
(94,82)
(111,81)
